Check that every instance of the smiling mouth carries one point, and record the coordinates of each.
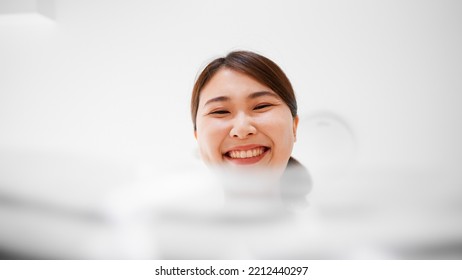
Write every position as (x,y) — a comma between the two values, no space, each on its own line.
(247,156)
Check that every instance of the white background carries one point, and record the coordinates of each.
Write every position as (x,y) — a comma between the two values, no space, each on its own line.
(113,78)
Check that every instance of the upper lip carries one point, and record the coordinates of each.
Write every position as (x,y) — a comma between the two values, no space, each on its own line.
(244,147)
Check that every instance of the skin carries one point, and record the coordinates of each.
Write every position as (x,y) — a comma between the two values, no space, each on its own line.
(238,113)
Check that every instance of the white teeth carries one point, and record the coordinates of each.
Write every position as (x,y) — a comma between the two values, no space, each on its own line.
(246,154)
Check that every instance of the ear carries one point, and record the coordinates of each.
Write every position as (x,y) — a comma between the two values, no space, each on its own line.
(195,134)
(295,125)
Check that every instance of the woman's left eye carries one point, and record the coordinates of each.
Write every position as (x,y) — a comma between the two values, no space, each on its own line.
(262,106)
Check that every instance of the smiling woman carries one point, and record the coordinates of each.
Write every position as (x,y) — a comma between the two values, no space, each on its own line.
(244,113)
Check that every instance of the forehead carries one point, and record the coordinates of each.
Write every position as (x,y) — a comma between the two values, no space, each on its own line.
(231,83)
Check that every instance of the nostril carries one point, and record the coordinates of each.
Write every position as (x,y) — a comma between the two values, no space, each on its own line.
(243,130)
(242,135)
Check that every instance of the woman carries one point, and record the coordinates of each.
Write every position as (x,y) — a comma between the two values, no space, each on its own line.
(245,118)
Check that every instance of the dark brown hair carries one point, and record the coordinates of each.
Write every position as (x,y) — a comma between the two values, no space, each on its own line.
(254,65)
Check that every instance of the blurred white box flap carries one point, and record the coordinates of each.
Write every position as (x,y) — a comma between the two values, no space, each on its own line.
(13,7)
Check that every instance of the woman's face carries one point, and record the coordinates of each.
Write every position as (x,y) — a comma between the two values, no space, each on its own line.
(243,123)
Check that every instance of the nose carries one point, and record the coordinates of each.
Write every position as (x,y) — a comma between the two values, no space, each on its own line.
(243,127)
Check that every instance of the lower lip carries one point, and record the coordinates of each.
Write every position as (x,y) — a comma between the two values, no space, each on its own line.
(247,161)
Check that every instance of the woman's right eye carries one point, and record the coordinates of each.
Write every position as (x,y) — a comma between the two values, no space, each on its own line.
(219,112)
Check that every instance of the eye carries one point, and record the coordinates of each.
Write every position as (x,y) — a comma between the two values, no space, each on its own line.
(219,112)
(262,106)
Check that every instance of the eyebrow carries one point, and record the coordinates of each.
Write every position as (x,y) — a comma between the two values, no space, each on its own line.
(262,93)
(251,96)
(217,99)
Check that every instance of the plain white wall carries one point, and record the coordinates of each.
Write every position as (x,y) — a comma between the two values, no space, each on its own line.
(113,78)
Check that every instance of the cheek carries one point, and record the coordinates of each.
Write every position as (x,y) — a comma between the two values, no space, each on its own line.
(210,135)
(282,136)
(280,132)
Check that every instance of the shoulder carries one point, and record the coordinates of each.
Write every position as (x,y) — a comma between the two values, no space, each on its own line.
(296,182)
